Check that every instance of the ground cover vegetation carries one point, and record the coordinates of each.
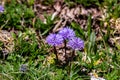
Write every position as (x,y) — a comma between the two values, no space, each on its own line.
(60,40)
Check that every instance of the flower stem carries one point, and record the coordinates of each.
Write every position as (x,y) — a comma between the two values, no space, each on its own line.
(65,48)
(73,54)
(55,52)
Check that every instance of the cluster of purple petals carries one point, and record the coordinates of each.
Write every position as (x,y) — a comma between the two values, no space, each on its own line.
(1,9)
(54,39)
(67,33)
(76,43)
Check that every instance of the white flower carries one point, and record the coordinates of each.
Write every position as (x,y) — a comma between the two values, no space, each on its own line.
(98,78)
(94,76)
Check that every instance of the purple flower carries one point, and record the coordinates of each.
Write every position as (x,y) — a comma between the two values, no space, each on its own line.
(1,8)
(67,33)
(76,43)
(23,68)
(54,39)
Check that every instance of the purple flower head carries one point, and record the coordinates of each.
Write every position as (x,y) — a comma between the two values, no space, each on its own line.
(1,8)
(67,33)
(54,39)
(23,68)
(76,43)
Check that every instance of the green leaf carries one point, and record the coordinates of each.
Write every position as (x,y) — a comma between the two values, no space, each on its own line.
(89,29)
(79,31)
